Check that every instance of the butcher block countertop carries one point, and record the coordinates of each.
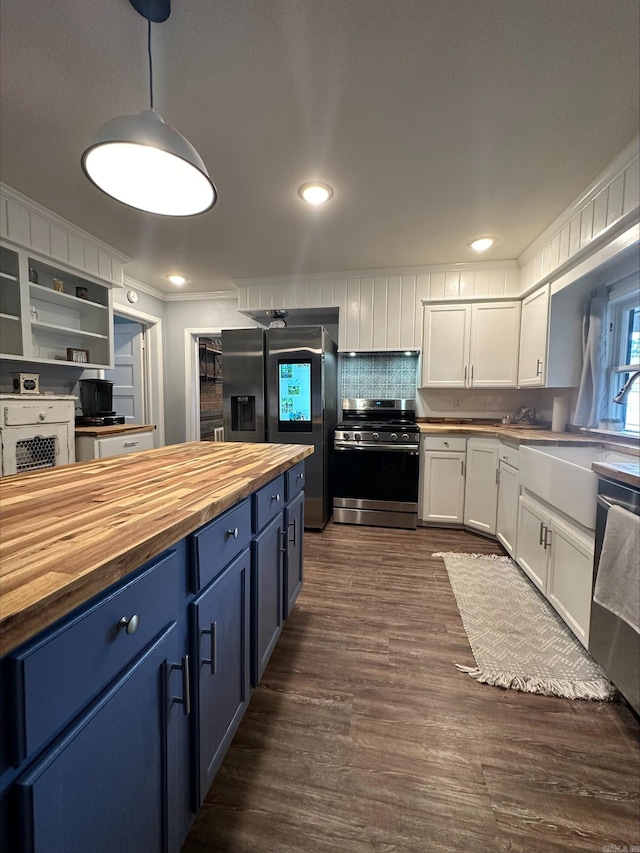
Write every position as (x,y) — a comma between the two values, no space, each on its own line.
(68,533)
(622,472)
(114,429)
(515,434)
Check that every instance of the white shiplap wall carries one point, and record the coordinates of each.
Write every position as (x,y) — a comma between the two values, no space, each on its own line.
(31,226)
(607,205)
(381,310)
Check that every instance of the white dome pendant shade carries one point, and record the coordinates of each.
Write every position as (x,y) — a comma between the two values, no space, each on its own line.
(145,163)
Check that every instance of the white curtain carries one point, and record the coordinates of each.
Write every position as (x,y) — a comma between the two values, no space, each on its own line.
(592,394)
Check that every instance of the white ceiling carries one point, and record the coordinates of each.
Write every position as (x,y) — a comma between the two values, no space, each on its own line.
(434,120)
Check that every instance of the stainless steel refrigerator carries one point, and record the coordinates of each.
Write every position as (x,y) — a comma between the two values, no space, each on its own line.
(280,386)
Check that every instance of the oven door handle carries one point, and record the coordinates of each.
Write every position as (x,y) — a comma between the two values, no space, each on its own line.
(375,448)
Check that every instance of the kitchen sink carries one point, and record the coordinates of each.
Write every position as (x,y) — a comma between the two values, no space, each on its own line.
(562,477)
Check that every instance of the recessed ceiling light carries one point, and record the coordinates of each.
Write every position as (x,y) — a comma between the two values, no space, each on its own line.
(481,244)
(315,192)
(352,354)
(177,279)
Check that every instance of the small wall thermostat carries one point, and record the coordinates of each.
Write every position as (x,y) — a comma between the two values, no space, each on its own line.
(26,383)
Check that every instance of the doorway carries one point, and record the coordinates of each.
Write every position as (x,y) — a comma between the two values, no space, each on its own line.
(210,382)
(138,373)
(129,374)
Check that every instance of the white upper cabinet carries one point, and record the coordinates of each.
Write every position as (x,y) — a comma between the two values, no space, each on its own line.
(445,348)
(495,333)
(471,345)
(49,315)
(532,364)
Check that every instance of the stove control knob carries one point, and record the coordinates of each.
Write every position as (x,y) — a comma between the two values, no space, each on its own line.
(346,436)
(394,436)
(357,436)
(405,436)
(375,436)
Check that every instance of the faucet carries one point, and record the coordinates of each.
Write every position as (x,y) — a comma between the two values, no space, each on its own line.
(623,393)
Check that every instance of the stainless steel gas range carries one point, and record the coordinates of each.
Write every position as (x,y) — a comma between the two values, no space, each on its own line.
(375,464)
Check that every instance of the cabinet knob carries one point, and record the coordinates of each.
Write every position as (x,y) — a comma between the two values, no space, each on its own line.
(129,623)
(446,444)
(301,476)
(233,532)
(42,416)
(275,498)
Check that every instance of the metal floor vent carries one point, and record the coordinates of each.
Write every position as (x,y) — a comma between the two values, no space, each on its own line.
(35,453)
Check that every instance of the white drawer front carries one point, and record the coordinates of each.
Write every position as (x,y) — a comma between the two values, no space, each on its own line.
(37,413)
(444,442)
(508,455)
(114,445)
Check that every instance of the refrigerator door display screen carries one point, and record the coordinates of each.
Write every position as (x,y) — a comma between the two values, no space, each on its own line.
(294,396)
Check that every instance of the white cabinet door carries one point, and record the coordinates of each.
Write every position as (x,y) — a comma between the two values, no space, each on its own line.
(532,363)
(481,487)
(443,487)
(531,554)
(571,577)
(495,332)
(445,349)
(507,520)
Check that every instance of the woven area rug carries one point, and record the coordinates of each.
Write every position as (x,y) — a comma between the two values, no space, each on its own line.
(517,639)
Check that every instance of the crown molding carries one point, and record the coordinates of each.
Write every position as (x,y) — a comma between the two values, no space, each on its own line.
(54,219)
(200,297)
(607,176)
(135,284)
(418,270)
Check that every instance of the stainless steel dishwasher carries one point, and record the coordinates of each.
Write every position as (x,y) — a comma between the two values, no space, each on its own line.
(612,642)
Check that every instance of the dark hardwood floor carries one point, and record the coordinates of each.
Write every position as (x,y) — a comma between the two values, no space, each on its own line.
(363,736)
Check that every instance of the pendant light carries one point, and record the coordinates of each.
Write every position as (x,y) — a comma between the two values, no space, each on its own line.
(145,163)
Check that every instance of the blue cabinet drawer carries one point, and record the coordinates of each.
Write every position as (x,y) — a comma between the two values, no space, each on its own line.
(54,676)
(294,481)
(268,502)
(219,542)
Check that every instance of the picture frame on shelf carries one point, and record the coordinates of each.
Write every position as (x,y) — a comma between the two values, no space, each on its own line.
(80,356)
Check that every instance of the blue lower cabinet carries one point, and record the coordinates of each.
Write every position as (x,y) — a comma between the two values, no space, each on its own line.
(294,526)
(110,781)
(221,628)
(266,595)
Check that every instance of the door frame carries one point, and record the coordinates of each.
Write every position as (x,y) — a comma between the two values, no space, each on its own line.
(191,371)
(153,356)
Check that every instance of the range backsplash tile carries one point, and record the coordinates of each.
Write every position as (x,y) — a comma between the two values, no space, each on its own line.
(380,375)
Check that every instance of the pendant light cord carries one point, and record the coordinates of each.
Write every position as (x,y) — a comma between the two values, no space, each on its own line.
(150,65)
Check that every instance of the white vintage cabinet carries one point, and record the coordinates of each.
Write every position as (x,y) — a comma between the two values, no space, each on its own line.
(36,432)
(443,478)
(481,486)
(471,345)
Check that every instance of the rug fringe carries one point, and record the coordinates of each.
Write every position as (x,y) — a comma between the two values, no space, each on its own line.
(598,689)
(496,557)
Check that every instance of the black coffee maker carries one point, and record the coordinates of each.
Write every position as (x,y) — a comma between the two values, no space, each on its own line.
(96,399)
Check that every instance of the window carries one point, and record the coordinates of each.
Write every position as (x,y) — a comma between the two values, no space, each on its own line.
(624,327)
